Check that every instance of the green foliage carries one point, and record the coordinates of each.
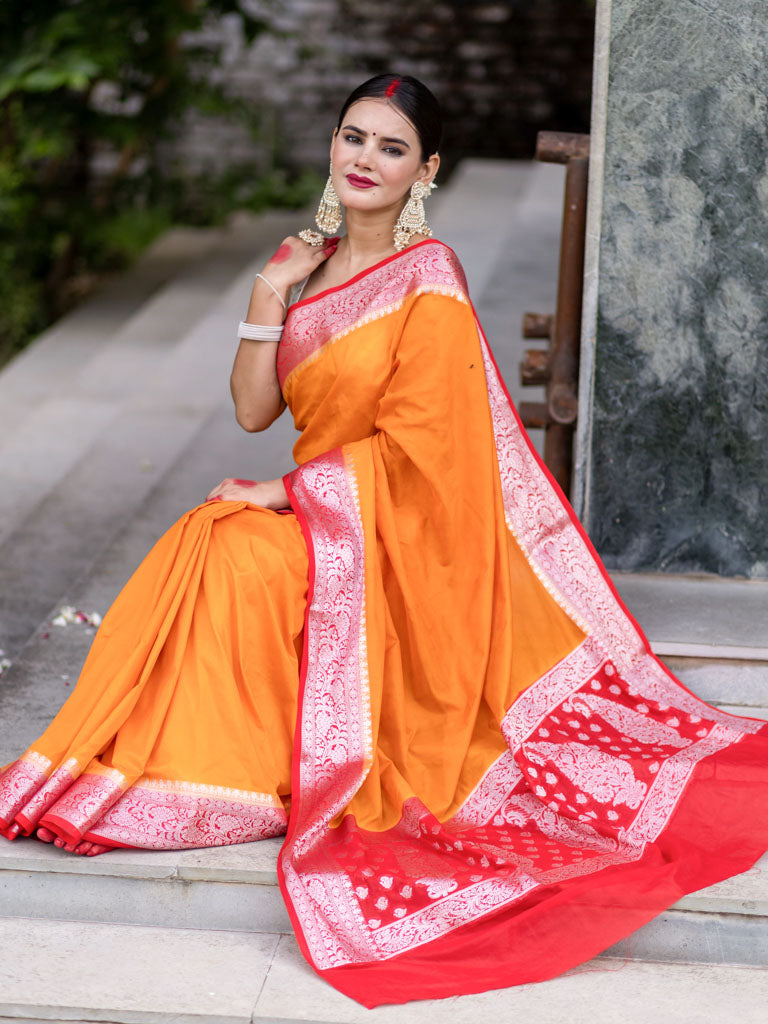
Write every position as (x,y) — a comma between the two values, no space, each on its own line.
(89,89)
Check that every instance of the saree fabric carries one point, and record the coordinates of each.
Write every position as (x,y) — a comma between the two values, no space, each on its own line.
(491,778)
(166,742)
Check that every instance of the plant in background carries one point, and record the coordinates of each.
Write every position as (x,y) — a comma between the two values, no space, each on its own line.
(89,90)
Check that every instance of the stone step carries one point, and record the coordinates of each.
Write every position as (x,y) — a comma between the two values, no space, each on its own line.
(711,632)
(699,616)
(59,354)
(56,971)
(235,888)
(117,466)
(60,418)
(737,685)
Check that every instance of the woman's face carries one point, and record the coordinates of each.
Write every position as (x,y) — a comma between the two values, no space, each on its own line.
(376,157)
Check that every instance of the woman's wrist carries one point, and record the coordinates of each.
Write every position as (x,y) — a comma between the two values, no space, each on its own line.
(281,279)
(265,307)
(278,496)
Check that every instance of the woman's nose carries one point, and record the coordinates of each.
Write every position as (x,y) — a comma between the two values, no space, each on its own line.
(367,155)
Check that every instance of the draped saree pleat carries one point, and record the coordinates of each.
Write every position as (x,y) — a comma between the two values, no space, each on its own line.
(491,776)
(179,731)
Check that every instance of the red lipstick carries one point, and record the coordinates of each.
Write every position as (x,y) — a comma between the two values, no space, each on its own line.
(357,182)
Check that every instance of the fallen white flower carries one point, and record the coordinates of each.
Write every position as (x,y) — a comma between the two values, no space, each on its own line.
(69,614)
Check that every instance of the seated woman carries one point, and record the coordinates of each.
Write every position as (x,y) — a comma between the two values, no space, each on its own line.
(405,653)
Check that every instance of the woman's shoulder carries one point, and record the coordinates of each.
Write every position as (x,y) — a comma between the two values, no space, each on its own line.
(435,266)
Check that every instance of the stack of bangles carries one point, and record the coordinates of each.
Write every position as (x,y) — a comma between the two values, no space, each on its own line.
(262,332)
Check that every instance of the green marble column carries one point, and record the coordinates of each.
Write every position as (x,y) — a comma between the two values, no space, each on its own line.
(673,461)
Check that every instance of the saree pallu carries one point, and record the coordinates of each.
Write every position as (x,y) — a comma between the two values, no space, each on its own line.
(492,776)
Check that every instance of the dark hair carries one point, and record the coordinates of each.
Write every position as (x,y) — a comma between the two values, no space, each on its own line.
(412,98)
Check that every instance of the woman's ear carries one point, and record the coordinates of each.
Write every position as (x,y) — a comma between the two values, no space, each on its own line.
(430,168)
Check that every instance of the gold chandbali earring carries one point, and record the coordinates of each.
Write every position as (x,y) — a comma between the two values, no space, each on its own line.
(327,218)
(412,219)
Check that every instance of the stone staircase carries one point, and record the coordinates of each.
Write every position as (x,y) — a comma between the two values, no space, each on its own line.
(113,424)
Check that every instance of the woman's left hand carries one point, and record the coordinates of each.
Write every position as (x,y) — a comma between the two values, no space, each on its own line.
(267,493)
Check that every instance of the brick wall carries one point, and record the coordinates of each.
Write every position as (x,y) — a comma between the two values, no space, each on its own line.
(502,71)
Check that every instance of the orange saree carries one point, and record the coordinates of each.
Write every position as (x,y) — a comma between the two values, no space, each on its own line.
(491,778)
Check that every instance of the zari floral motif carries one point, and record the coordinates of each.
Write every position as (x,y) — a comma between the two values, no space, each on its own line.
(155,814)
(151,814)
(51,791)
(85,802)
(19,783)
(335,714)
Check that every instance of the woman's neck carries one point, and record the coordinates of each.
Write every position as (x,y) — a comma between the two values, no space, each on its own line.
(369,238)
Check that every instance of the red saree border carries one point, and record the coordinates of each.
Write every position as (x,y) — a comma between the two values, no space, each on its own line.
(20,782)
(154,814)
(363,273)
(428,267)
(53,790)
(556,927)
(161,814)
(334,716)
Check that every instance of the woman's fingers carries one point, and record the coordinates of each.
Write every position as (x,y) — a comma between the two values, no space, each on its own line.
(294,259)
(329,249)
(216,493)
(233,489)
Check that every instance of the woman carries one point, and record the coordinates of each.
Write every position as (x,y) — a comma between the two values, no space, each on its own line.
(491,777)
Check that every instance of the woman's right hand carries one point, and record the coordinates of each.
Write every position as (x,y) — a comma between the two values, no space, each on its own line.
(295,259)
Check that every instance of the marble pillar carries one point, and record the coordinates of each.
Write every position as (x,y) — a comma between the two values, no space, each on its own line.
(672,453)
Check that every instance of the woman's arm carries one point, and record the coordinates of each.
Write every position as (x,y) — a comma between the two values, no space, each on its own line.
(255,388)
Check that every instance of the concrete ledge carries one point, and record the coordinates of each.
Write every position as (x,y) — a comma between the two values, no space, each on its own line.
(701,938)
(254,863)
(55,970)
(235,888)
(66,518)
(128,975)
(706,613)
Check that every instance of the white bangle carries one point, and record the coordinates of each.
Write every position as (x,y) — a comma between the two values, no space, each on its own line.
(260,332)
(277,293)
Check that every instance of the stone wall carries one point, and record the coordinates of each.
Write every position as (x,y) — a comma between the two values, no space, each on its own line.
(678,458)
(502,70)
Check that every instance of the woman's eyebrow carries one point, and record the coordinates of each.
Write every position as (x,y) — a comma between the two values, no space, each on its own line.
(351,128)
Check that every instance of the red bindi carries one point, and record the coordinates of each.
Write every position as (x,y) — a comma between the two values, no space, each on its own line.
(282,254)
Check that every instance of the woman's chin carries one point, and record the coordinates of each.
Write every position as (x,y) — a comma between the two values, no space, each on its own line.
(371,202)
(362,199)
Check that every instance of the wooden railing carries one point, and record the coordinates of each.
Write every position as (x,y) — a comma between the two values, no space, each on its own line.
(557,366)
